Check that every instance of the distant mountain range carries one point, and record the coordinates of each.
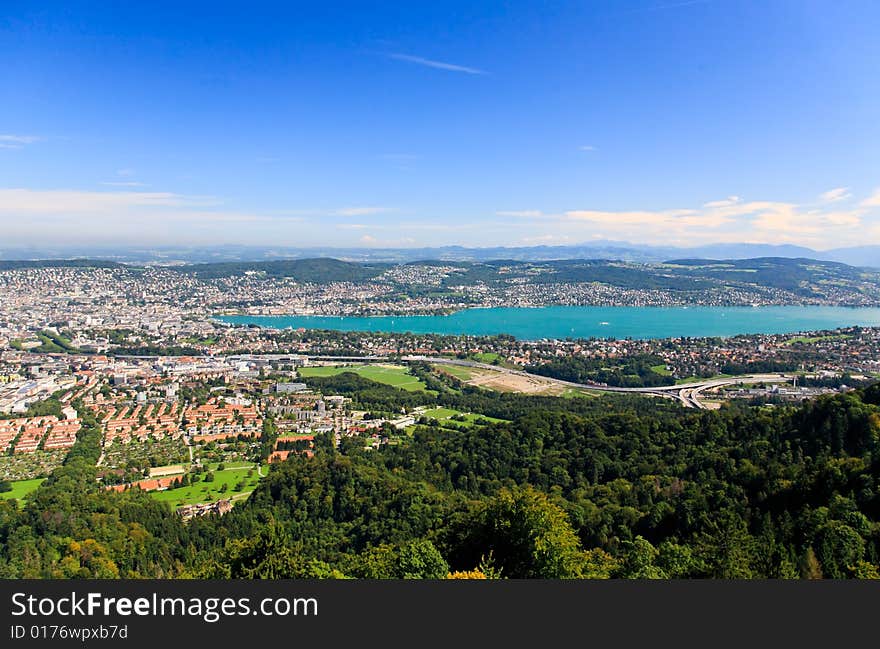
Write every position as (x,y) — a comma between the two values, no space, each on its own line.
(865,256)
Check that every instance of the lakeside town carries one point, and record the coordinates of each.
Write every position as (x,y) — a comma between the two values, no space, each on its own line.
(181,300)
(195,410)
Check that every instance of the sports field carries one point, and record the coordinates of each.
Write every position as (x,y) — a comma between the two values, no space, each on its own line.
(394,375)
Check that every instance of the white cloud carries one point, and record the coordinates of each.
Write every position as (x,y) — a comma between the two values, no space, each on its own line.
(440,65)
(728,220)
(129,214)
(588,147)
(727,202)
(834,195)
(9,141)
(125,173)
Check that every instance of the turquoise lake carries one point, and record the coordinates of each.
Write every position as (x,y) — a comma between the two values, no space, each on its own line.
(591,321)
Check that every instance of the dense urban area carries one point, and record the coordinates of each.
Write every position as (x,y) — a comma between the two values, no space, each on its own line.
(141,437)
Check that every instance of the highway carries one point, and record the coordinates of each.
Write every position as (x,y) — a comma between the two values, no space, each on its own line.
(687,393)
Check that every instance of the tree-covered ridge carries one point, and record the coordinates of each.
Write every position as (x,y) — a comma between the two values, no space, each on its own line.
(777,279)
(800,276)
(565,488)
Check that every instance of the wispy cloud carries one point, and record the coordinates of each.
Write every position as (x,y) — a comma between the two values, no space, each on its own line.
(727,202)
(69,215)
(63,201)
(587,147)
(834,195)
(523,214)
(440,65)
(873,200)
(9,141)
(360,211)
(125,173)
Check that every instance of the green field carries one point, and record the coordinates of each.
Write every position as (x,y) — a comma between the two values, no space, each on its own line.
(21,488)
(487,357)
(393,375)
(577,393)
(698,379)
(201,492)
(445,414)
(816,339)
(440,413)
(661,369)
(461,373)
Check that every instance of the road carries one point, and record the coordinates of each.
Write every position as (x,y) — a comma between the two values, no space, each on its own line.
(687,393)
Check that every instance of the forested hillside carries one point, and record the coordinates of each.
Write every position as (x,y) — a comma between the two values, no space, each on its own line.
(565,488)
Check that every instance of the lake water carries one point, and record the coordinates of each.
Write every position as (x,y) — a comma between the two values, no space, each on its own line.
(591,321)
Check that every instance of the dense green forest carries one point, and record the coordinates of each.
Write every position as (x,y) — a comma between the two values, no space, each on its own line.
(565,488)
(632,372)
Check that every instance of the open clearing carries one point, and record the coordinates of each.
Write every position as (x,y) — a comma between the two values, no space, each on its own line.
(394,375)
(202,492)
(445,415)
(461,373)
(502,381)
(21,488)
(507,382)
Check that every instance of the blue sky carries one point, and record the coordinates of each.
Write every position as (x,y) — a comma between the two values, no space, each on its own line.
(410,124)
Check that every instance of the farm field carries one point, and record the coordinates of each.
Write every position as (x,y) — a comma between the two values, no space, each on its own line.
(394,375)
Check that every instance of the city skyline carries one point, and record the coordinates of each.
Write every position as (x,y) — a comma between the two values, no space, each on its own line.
(677,123)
